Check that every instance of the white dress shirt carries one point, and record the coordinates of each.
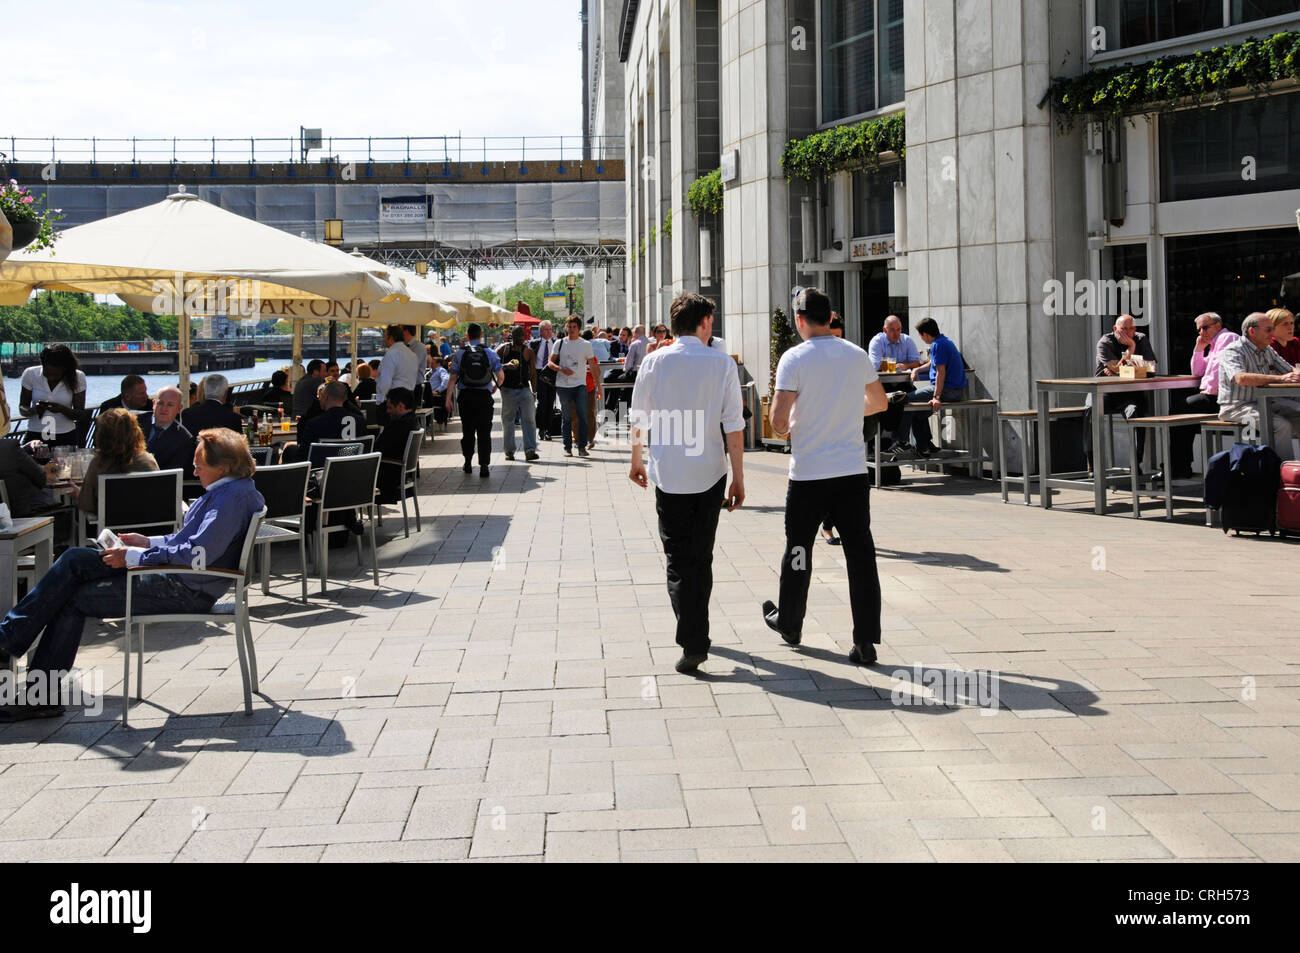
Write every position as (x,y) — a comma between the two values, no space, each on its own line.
(399,368)
(681,396)
(542,348)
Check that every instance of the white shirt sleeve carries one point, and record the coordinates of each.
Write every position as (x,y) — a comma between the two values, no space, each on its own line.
(733,414)
(787,372)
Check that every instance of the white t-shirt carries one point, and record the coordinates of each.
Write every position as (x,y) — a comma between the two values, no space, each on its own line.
(34,381)
(575,355)
(829,377)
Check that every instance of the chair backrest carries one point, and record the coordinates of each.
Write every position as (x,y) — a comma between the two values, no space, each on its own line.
(250,540)
(320,451)
(262,455)
(284,488)
(131,502)
(371,409)
(367,441)
(15,435)
(89,442)
(4,495)
(349,482)
(413,450)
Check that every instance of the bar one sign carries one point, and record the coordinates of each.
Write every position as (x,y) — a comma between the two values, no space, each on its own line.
(871,248)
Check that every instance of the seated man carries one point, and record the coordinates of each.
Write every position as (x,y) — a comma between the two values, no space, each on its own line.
(392,442)
(1251,362)
(134,397)
(86,583)
(25,480)
(276,394)
(166,438)
(334,422)
(892,343)
(1121,346)
(947,374)
(213,412)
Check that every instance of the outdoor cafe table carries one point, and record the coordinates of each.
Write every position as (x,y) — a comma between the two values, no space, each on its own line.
(34,533)
(1263,395)
(1098,388)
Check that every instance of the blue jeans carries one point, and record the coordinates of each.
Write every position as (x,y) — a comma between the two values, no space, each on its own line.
(920,423)
(78,586)
(573,400)
(518,399)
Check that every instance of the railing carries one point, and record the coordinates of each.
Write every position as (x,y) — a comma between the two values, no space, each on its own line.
(12,349)
(290,149)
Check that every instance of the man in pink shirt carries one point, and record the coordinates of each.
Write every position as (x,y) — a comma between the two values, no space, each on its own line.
(1211,338)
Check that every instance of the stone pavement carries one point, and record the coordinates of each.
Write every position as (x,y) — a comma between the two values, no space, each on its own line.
(508,693)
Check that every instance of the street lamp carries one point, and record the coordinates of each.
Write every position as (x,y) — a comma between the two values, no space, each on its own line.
(571,282)
(422,269)
(333,231)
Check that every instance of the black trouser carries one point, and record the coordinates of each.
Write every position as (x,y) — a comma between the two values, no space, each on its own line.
(1180,438)
(687,524)
(1126,405)
(846,501)
(545,405)
(476,422)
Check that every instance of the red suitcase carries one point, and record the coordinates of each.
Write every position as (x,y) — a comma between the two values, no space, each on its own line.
(1288,498)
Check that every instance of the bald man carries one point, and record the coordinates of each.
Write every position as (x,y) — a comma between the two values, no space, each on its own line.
(169,442)
(892,343)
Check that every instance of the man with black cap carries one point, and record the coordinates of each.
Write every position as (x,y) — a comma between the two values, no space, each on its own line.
(824,387)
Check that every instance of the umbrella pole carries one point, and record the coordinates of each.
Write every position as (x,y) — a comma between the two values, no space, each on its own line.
(334,341)
(296,371)
(354,352)
(183,352)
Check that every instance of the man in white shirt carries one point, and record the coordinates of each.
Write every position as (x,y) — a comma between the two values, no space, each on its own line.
(571,361)
(824,387)
(685,399)
(400,367)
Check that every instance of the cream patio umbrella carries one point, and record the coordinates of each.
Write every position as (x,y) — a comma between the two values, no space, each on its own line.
(174,256)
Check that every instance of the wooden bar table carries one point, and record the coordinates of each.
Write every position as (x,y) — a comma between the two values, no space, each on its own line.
(1098,388)
(33,533)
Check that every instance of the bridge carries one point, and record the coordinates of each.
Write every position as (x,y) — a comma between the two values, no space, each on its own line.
(454,202)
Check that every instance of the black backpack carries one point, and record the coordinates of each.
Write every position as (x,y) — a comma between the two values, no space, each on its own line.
(475,367)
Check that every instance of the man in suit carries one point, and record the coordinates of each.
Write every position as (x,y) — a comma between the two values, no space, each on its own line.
(392,442)
(171,444)
(213,412)
(334,422)
(134,397)
(24,479)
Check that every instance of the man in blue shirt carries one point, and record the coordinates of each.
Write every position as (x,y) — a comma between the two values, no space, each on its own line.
(86,583)
(892,343)
(947,384)
(475,373)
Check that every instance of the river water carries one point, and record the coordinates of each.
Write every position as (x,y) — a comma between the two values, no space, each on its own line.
(100,387)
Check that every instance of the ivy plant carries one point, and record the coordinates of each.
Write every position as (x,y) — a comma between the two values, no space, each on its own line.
(705,194)
(845,148)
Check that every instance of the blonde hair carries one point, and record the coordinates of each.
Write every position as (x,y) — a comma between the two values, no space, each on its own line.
(119,439)
(1279,314)
(228,450)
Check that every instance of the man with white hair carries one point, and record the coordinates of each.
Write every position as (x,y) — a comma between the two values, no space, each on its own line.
(171,444)
(213,411)
(1251,362)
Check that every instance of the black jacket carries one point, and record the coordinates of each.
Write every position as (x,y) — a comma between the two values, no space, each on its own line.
(143,417)
(392,445)
(328,425)
(24,479)
(211,413)
(173,448)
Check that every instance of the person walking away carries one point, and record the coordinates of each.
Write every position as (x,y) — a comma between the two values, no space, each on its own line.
(824,387)
(517,387)
(475,372)
(684,397)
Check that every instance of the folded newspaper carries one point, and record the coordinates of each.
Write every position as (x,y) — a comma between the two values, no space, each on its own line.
(107,539)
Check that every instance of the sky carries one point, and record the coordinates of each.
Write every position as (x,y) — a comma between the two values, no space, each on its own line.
(248,69)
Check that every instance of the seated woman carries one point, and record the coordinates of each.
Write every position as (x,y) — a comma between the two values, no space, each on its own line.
(87,583)
(119,448)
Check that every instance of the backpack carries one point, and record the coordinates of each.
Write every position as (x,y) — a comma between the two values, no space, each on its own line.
(475,367)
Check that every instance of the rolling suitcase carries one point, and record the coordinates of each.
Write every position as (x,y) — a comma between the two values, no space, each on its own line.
(1288,499)
(1250,494)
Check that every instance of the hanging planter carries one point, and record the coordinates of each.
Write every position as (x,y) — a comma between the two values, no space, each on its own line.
(32,224)
(25,232)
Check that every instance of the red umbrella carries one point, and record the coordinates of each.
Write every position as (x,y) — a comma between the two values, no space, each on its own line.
(524,316)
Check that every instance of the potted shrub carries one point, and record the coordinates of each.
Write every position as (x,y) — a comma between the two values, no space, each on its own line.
(32,223)
(781,340)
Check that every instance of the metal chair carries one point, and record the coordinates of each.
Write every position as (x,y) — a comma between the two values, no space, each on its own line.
(410,479)
(320,451)
(262,456)
(284,488)
(367,442)
(228,609)
(137,503)
(348,484)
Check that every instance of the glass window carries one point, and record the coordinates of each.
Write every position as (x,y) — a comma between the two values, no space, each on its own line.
(873,202)
(1136,22)
(1243,11)
(862,56)
(1238,149)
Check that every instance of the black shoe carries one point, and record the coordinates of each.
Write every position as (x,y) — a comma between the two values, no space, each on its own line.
(483,471)
(12,713)
(831,540)
(583,452)
(770,616)
(469,467)
(510,456)
(568,451)
(898,397)
(925,452)
(532,455)
(861,656)
(688,663)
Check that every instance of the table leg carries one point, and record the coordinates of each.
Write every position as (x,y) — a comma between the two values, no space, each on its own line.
(1265,418)
(1026,441)
(1168,470)
(1100,464)
(1132,478)
(1044,451)
(876,452)
(44,552)
(8,575)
